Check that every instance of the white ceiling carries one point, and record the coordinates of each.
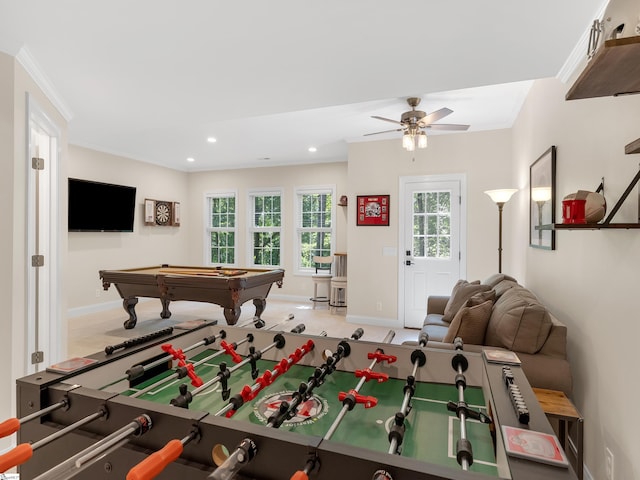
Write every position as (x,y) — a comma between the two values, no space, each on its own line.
(152,79)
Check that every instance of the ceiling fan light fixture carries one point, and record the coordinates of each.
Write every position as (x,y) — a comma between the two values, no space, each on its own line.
(408,142)
(422,140)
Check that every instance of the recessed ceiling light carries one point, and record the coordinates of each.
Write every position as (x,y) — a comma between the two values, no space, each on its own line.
(191,159)
(211,140)
(313,149)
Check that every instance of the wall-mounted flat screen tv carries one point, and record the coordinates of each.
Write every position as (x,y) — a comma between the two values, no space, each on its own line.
(100,207)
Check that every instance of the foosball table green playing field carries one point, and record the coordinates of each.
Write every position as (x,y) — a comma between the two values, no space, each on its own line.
(251,403)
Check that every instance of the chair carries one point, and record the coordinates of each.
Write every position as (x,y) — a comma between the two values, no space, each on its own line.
(338,293)
(321,277)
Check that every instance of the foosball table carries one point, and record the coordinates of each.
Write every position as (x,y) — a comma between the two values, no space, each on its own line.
(248,403)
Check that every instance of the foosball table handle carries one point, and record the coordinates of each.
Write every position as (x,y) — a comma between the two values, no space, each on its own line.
(155,463)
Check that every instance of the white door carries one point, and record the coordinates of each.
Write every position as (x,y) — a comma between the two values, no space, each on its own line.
(430,237)
(44,342)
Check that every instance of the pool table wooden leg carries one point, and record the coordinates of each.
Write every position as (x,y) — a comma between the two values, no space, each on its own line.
(129,305)
(166,313)
(232,315)
(260,304)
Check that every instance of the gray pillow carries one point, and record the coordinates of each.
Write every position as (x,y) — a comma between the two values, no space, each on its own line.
(462,291)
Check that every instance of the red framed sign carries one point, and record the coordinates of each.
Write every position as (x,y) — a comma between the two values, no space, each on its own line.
(373,210)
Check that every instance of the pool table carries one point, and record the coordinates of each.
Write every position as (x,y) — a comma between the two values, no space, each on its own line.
(224,286)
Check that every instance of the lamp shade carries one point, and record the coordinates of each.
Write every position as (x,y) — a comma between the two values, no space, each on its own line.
(502,195)
(541,194)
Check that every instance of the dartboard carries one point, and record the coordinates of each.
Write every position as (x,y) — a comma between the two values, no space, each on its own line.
(163,213)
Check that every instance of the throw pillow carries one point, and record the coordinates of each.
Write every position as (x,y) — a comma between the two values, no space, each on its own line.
(496,278)
(481,297)
(461,292)
(470,324)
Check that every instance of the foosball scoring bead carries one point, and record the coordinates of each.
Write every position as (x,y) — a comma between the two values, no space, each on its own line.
(357,334)
(259,323)
(458,344)
(381,475)
(523,416)
(419,356)
(423,339)
(464,451)
(459,360)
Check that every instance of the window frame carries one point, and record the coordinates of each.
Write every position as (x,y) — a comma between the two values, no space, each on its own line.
(298,229)
(251,228)
(208,228)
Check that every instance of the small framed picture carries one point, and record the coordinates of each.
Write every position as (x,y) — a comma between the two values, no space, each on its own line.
(372,210)
(149,212)
(176,214)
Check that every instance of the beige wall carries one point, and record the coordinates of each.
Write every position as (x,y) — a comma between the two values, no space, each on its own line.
(590,281)
(241,181)
(90,252)
(376,167)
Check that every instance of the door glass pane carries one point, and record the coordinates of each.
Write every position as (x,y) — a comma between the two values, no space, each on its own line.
(432,224)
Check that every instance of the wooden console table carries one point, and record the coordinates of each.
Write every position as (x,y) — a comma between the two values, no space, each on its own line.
(557,406)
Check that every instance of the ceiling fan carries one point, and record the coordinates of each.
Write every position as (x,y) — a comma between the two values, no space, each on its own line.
(414,122)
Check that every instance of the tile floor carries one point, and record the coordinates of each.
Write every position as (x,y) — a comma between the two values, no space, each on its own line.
(90,333)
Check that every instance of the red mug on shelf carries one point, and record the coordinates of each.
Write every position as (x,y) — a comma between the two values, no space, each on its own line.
(573,211)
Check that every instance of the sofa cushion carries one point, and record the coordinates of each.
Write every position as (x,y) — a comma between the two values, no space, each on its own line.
(435,319)
(436,332)
(461,292)
(470,323)
(518,322)
(503,286)
(496,278)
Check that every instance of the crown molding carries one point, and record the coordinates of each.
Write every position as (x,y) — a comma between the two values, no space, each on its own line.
(578,55)
(27,61)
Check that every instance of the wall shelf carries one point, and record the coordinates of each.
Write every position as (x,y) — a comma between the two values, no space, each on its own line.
(613,70)
(633,147)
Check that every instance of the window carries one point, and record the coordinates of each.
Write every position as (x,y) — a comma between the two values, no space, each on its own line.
(265,229)
(432,224)
(314,225)
(221,229)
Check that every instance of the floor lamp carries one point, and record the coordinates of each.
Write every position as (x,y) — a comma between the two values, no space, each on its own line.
(500,197)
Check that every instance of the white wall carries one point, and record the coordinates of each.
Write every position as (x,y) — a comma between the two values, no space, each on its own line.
(241,181)
(90,252)
(375,168)
(590,282)
(15,83)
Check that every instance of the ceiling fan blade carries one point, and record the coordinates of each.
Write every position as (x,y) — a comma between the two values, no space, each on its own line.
(385,131)
(447,126)
(434,116)
(387,119)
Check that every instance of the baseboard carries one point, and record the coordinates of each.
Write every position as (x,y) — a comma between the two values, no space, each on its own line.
(98,307)
(375,321)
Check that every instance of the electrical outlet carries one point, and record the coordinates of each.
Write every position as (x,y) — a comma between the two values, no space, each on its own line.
(608,464)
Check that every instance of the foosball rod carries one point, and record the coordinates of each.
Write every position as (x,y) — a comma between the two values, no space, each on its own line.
(267,378)
(419,359)
(180,374)
(12,425)
(23,452)
(464,452)
(346,407)
(288,318)
(185,397)
(81,460)
(288,410)
(136,371)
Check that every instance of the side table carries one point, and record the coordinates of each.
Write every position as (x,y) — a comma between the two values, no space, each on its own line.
(557,406)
